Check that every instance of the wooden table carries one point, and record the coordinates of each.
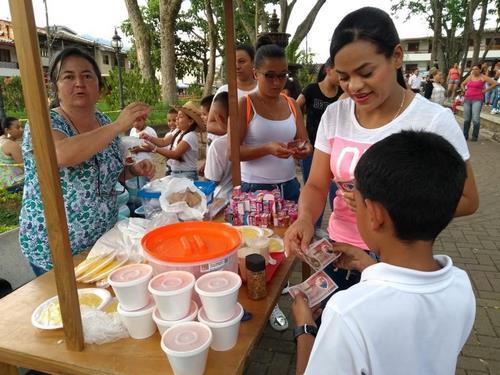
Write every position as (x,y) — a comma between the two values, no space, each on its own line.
(23,345)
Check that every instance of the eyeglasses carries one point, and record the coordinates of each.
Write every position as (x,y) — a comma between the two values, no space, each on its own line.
(271,76)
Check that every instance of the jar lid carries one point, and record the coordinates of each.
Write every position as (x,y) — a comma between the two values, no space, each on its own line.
(255,262)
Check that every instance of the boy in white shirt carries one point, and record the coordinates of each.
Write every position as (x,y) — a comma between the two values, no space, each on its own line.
(218,165)
(140,127)
(412,312)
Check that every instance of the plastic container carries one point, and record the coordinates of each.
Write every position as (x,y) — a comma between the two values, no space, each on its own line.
(163,324)
(172,292)
(133,186)
(261,244)
(122,194)
(218,292)
(208,188)
(123,212)
(225,334)
(130,284)
(150,201)
(195,247)
(186,346)
(139,323)
(139,211)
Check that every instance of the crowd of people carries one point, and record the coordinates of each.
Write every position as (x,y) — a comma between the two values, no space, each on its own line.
(395,165)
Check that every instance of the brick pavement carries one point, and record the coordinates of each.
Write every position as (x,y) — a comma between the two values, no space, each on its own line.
(473,243)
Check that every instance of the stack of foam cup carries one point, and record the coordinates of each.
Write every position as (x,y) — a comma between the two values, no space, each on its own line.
(172,292)
(186,346)
(130,284)
(218,292)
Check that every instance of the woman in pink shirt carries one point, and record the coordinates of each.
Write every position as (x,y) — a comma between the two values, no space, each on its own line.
(453,80)
(474,86)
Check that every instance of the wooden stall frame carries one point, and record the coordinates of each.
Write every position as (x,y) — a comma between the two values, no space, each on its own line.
(35,97)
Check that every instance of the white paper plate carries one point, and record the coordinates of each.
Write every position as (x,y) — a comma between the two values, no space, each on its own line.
(36,316)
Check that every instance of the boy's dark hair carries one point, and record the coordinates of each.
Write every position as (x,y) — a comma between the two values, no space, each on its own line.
(172,111)
(6,124)
(222,98)
(418,177)
(206,101)
(322,70)
(372,25)
(248,49)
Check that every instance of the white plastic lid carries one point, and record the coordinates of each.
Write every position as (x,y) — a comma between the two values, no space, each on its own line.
(130,275)
(218,283)
(171,282)
(186,339)
(191,315)
(148,309)
(235,317)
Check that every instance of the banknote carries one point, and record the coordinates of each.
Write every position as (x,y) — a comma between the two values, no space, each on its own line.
(319,254)
(317,287)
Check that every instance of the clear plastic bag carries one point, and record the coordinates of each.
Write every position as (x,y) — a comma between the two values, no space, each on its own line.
(100,327)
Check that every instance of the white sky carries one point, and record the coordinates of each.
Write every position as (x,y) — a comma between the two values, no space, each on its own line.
(99,17)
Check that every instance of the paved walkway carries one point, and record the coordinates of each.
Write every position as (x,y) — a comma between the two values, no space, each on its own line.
(473,243)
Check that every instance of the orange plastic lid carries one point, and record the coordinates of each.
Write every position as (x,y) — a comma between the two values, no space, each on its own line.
(191,241)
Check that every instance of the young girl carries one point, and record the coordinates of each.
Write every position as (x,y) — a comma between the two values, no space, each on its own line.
(268,121)
(438,91)
(183,144)
(368,57)
(11,158)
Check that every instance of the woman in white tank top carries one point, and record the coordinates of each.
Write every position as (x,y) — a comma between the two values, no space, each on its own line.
(268,123)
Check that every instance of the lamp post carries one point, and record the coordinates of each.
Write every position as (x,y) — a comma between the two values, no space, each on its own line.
(116,43)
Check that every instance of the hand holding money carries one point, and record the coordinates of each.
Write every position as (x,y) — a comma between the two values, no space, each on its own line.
(319,254)
(352,257)
(316,288)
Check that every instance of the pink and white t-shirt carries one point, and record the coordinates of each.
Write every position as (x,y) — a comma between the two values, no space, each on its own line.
(342,137)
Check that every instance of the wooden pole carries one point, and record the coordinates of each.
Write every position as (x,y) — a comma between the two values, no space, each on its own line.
(35,99)
(232,92)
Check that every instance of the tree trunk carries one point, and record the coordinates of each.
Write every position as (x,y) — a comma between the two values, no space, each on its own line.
(212,41)
(477,34)
(169,9)
(142,40)
(437,11)
(305,26)
(285,11)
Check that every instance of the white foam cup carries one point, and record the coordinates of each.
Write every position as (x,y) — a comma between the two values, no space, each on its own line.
(218,292)
(130,284)
(172,292)
(225,333)
(139,323)
(163,325)
(186,346)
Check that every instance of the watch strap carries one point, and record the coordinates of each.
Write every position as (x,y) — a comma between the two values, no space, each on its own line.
(306,328)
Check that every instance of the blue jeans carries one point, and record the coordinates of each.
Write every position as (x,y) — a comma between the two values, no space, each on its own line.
(290,190)
(472,111)
(306,168)
(496,98)
(192,175)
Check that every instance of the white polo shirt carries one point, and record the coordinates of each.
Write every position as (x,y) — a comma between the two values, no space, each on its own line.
(148,130)
(218,167)
(396,321)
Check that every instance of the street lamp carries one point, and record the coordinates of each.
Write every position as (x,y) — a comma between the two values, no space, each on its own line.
(116,43)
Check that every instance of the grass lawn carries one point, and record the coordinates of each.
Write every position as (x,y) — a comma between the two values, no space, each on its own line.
(10,206)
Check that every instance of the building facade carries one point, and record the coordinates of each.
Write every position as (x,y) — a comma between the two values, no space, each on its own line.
(60,37)
(418,51)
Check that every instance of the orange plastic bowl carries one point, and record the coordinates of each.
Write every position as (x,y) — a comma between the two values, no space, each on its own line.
(196,247)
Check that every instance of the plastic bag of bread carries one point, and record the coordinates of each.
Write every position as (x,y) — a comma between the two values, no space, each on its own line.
(182,197)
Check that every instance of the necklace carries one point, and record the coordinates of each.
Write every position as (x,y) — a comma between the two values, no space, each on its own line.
(400,107)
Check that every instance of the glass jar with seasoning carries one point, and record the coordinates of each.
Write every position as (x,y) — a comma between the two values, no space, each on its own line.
(256,276)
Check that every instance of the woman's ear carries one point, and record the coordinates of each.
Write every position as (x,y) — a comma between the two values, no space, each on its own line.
(397,56)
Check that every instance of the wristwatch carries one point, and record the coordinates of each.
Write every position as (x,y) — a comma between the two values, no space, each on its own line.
(306,328)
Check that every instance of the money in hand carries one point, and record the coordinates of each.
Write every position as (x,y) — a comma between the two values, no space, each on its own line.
(319,254)
(317,287)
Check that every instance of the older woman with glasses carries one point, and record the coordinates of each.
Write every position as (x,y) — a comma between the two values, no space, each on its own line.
(89,159)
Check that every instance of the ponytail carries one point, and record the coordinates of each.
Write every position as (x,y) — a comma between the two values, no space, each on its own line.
(400,77)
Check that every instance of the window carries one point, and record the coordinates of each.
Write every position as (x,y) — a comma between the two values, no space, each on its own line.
(495,43)
(409,68)
(413,46)
(5,55)
(105,59)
